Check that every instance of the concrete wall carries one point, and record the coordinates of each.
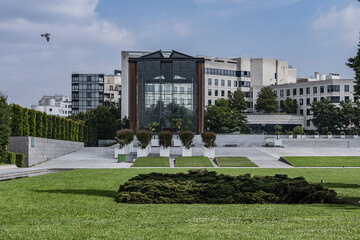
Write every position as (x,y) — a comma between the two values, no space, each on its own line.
(38,150)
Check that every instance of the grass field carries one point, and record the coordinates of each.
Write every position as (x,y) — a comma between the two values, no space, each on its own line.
(80,204)
(151,162)
(193,162)
(234,162)
(323,161)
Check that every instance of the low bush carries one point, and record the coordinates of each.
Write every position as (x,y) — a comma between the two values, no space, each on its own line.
(144,138)
(20,159)
(208,139)
(124,137)
(11,158)
(329,133)
(342,133)
(186,138)
(165,138)
(298,130)
(201,186)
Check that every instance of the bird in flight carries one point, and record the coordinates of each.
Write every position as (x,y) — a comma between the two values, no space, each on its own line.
(46,35)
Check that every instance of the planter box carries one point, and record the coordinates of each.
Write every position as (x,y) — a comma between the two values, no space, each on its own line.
(342,136)
(177,142)
(125,150)
(186,152)
(278,143)
(164,152)
(317,136)
(329,136)
(356,136)
(303,136)
(155,142)
(142,152)
(290,136)
(209,152)
(298,136)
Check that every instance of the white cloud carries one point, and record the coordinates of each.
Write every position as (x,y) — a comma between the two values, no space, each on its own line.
(181,29)
(342,24)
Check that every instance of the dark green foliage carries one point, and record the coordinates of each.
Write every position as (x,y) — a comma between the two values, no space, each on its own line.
(208,139)
(124,137)
(354,63)
(16,123)
(25,122)
(5,128)
(298,130)
(39,124)
(32,122)
(62,128)
(45,125)
(289,105)
(237,100)
(186,138)
(81,130)
(325,116)
(103,121)
(20,159)
(266,100)
(165,138)
(11,158)
(201,186)
(144,138)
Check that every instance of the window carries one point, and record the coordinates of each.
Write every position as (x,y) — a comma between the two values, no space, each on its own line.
(301,101)
(321,89)
(189,101)
(216,92)
(235,83)
(229,83)
(88,95)
(209,102)
(308,101)
(287,92)
(314,99)
(294,92)
(216,82)
(275,93)
(182,89)
(301,91)
(88,86)
(209,92)
(308,112)
(301,112)
(222,82)
(307,90)
(314,90)
(275,76)
(308,122)
(175,89)
(182,101)
(209,81)
(88,103)
(346,88)
(281,93)
(111,88)
(334,99)
(333,88)
(222,93)
(346,98)
(88,78)
(229,92)
(75,87)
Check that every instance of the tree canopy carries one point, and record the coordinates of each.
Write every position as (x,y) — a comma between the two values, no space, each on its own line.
(354,63)
(237,100)
(266,100)
(5,129)
(289,105)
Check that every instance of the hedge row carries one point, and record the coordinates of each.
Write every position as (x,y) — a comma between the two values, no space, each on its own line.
(15,158)
(28,122)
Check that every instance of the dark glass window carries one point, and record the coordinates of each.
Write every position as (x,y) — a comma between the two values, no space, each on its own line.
(333,88)
(287,92)
(216,92)
(209,102)
(307,90)
(301,112)
(301,101)
(222,93)
(346,88)
(209,81)
(294,92)
(321,89)
(314,90)
(222,82)
(314,99)
(216,82)
(301,91)
(209,92)
(229,83)
(308,101)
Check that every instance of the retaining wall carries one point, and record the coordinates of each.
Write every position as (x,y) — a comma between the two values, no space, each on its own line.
(38,150)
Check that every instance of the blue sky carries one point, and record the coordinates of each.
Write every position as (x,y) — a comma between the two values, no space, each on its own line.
(89,35)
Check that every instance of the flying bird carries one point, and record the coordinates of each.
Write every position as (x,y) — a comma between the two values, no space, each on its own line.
(46,35)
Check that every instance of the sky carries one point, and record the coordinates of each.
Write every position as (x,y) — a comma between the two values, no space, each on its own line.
(87,36)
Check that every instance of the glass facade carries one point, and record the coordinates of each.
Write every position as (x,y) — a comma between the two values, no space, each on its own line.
(166,89)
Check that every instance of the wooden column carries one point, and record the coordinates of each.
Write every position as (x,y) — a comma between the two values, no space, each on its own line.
(132,95)
(200,97)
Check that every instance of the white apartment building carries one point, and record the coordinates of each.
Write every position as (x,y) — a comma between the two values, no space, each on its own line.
(59,105)
(112,87)
(309,90)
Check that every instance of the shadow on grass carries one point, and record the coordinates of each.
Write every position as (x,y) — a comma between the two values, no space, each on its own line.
(341,185)
(89,192)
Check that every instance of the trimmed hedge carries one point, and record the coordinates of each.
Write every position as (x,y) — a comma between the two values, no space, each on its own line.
(20,159)
(124,137)
(208,139)
(186,138)
(201,186)
(165,138)
(11,158)
(144,138)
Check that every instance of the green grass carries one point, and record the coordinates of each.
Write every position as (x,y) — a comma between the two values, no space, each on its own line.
(234,162)
(80,204)
(323,161)
(193,162)
(151,162)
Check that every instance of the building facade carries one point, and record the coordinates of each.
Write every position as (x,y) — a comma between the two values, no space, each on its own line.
(87,91)
(112,88)
(59,105)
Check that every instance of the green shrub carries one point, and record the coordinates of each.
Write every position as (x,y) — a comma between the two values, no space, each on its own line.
(317,133)
(16,123)
(342,133)
(165,138)
(329,133)
(45,126)
(25,122)
(20,159)
(208,139)
(186,138)
(144,138)
(39,124)
(124,137)
(11,158)
(290,133)
(355,133)
(298,130)
(32,122)
(201,186)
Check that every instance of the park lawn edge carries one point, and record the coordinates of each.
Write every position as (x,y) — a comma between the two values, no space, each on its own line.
(322,161)
(245,162)
(151,162)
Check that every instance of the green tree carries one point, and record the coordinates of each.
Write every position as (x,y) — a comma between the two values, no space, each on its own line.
(266,100)
(325,116)
(103,121)
(115,109)
(237,100)
(39,124)
(221,115)
(346,115)
(354,63)
(16,123)
(25,122)
(289,105)
(32,122)
(5,128)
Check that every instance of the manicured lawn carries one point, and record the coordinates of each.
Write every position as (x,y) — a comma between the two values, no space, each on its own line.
(234,162)
(193,162)
(323,161)
(80,204)
(152,162)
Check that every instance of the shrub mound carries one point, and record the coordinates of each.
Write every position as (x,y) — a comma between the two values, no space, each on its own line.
(144,138)
(124,137)
(201,186)
(186,138)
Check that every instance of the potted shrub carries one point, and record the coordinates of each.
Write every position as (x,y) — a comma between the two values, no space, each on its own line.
(317,135)
(186,138)
(355,134)
(342,135)
(176,125)
(124,138)
(208,139)
(329,134)
(144,137)
(290,133)
(278,141)
(165,138)
(153,127)
(298,131)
